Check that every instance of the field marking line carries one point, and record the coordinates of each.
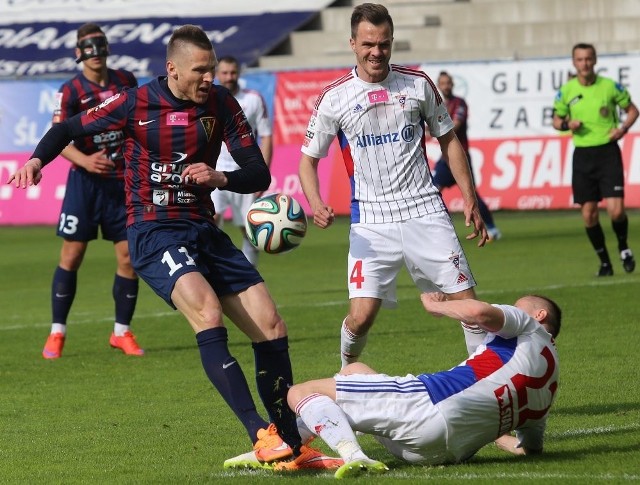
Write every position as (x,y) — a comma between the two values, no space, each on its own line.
(480,292)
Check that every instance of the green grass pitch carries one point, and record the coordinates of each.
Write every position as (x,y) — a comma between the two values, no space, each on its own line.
(97,416)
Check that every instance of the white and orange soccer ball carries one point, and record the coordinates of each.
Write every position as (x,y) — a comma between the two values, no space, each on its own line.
(276,223)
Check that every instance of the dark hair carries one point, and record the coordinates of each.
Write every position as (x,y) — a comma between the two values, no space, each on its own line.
(554,314)
(583,45)
(188,34)
(445,74)
(87,29)
(373,13)
(229,60)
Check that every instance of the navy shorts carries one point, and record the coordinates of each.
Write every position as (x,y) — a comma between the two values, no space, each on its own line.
(598,173)
(442,176)
(92,202)
(162,251)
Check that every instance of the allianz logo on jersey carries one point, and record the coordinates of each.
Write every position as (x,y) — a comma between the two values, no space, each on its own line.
(369,140)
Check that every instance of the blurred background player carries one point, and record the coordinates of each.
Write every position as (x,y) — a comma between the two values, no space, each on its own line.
(380,113)
(255,109)
(442,176)
(588,106)
(94,196)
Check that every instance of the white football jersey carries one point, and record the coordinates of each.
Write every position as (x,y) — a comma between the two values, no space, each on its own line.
(508,383)
(255,109)
(381,130)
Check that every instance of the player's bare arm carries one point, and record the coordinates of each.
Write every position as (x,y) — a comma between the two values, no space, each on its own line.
(631,117)
(97,162)
(571,124)
(510,444)
(266,147)
(29,174)
(323,215)
(473,312)
(459,165)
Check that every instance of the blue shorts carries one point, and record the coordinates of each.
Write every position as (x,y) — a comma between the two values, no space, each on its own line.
(163,251)
(442,176)
(92,202)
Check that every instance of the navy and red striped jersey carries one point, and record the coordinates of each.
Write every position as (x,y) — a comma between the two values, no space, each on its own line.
(80,94)
(164,134)
(457,108)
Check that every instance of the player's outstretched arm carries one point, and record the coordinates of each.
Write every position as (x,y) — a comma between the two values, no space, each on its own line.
(453,152)
(29,174)
(323,215)
(48,148)
(473,312)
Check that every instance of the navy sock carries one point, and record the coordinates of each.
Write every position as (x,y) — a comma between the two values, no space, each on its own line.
(225,374)
(487,217)
(274,377)
(63,291)
(125,294)
(621,228)
(596,236)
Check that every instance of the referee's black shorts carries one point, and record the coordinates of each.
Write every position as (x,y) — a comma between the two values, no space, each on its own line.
(597,173)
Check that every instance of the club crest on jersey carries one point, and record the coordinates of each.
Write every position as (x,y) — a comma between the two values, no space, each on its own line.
(208,122)
(178,118)
(402,99)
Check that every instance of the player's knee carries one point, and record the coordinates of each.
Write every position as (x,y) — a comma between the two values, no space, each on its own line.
(359,322)
(356,368)
(295,394)
(617,214)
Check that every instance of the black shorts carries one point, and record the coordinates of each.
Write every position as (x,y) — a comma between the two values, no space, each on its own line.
(597,173)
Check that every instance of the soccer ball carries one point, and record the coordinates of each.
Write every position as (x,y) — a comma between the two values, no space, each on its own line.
(276,223)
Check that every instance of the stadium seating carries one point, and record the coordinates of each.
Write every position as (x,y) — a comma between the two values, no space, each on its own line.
(461,30)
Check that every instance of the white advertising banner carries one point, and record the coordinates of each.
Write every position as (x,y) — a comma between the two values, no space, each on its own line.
(519,160)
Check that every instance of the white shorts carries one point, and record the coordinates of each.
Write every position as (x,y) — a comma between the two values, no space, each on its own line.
(238,203)
(428,246)
(398,412)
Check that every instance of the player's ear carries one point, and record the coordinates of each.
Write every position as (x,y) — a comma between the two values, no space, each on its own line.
(352,43)
(541,315)
(171,70)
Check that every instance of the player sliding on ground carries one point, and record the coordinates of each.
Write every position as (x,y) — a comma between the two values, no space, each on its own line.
(508,384)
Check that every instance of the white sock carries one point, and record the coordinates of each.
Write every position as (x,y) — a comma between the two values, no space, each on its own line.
(305,433)
(119,330)
(351,346)
(473,336)
(323,415)
(251,252)
(59,328)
